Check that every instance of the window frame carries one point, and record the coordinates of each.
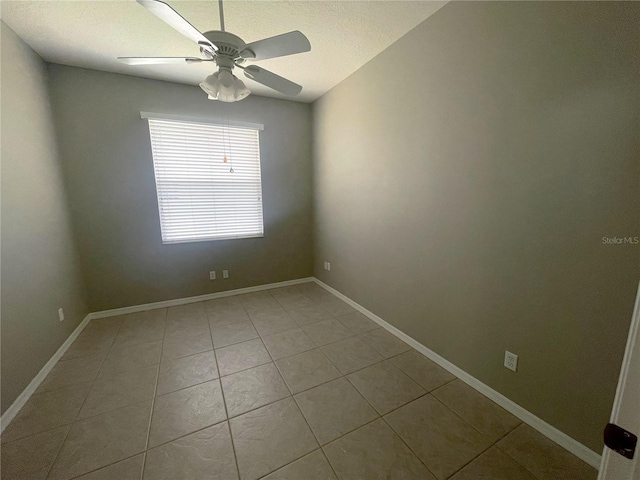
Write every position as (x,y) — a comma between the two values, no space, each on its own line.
(203,122)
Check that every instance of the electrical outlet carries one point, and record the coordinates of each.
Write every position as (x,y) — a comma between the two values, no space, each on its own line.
(60,314)
(212,275)
(511,360)
(327,266)
(225,273)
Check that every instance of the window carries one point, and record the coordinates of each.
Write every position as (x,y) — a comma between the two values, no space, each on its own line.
(207,178)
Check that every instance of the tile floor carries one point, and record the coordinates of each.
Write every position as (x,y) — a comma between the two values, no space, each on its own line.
(290,383)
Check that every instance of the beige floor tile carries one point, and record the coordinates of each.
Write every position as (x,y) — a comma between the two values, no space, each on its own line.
(207,454)
(224,318)
(493,465)
(385,386)
(226,310)
(187,313)
(182,342)
(186,371)
(116,391)
(87,345)
(242,356)
(71,372)
(142,327)
(327,331)
(331,304)
(129,469)
(231,333)
(286,291)
(442,440)
(102,440)
(253,388)
(374,451)
(295,301)
(544,458)
(290,342)
(309,288)
(308,315)
(358,323)
(101,327)
(106,379)
(427,373)
(31,458)
(291,291)
(185,411)
(270,437)
(222,304)
(272,322)
(351,354)
(313,466)
(307,370)
(47,410)
(484,415)
(259,302)
(128,357)
(384,343)
(333,409)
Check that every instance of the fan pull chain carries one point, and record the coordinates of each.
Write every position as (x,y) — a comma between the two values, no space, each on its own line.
(226,142)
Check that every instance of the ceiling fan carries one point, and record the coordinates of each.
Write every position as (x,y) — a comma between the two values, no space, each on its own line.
(227,51)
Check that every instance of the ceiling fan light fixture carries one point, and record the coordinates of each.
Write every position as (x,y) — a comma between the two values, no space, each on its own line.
(224,86)
(210,85)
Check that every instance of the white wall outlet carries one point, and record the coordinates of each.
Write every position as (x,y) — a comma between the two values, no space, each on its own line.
(212,275)
(511,360)
(225,273)
(327,266)
(60,314)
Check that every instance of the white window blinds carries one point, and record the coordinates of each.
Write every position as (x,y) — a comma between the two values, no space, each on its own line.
(200,195)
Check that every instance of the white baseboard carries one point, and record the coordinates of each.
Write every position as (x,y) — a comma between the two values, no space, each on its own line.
(578,449)
(199,298)
(562,439)
(19,402)
(13,410)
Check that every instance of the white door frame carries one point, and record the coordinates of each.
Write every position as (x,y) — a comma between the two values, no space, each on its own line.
(608,470)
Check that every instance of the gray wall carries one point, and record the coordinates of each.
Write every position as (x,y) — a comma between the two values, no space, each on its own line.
(109,171)
(40,266)
(463,181)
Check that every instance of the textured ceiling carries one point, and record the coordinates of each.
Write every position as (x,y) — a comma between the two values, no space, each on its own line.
(344,35)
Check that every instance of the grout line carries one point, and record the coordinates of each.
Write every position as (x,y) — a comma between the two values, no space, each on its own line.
(153,401)
(219,377)
(112,463)
(228,420)
(409,447)
(224,399)
(515,459)
(328,462)
(319,449)
(183,436)
(144,463)
(93,381)
(491,443)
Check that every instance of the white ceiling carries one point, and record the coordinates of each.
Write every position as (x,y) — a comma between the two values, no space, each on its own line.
(344,35)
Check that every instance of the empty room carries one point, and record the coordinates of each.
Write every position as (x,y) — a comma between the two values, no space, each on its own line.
(305,240)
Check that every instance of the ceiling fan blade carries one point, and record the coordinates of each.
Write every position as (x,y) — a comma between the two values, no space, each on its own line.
(159,60)
(271,80)
(168,15)
(278,46)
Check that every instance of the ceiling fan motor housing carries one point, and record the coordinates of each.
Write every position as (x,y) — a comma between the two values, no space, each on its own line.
(229,45)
